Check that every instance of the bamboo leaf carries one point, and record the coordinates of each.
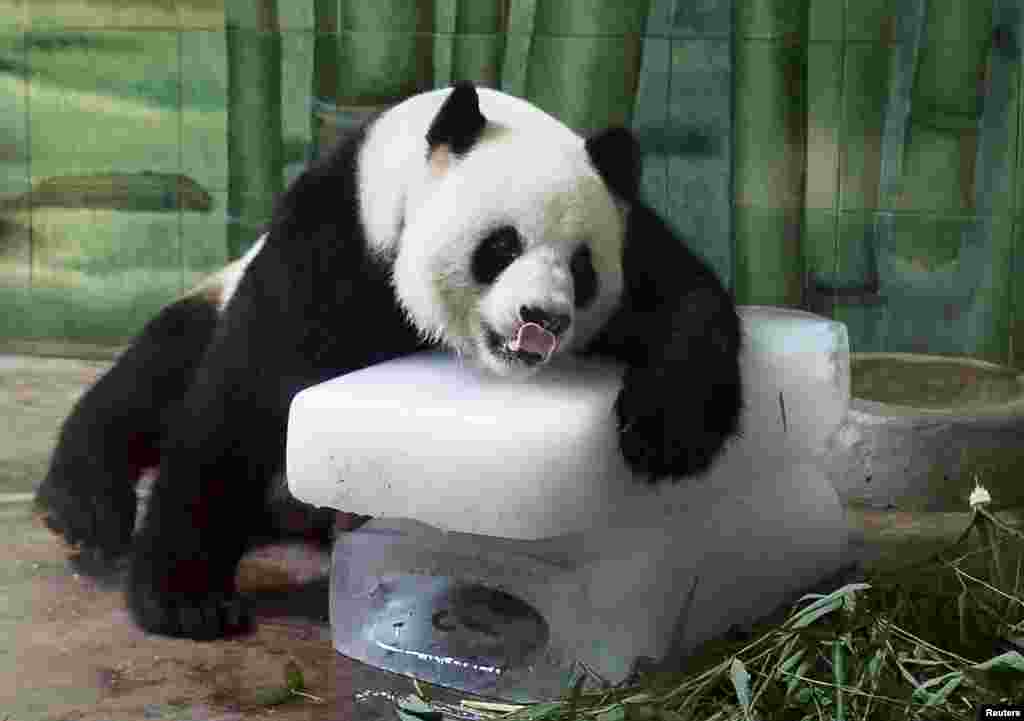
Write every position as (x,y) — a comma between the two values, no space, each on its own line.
(293,679)
(924,693)
(1011,661)
(637,698)
(413,708)
(741,682)
(617,713)
(539,712)
(839,676)
(823,605)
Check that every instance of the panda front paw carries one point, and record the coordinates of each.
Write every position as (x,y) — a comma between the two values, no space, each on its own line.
(673,425)
(179,597)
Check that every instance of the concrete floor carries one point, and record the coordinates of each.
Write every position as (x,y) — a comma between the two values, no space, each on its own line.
(71,652)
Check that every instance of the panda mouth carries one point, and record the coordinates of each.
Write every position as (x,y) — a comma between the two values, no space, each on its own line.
(530,344)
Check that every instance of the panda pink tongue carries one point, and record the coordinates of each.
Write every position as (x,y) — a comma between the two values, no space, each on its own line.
(534,339)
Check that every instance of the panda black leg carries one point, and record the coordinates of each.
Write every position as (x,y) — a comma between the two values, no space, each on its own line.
(114,431)
(186,591)
(208,504)
(190,591)
(182,575)
(88,497)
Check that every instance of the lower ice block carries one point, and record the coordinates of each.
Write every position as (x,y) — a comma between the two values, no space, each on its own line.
(510,541)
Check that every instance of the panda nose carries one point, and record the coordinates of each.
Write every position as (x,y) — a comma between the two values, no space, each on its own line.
(554,322)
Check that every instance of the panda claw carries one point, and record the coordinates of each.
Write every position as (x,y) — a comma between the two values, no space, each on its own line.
(204,609)
(195,617)
(234,614)
(199,619)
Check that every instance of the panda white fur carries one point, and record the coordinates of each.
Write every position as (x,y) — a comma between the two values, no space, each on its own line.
(461,217)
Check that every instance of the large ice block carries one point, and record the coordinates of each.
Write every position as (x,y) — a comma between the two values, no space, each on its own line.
(510,540)
(425,437)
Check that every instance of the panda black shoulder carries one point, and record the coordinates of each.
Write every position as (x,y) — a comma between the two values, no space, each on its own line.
(324,197)
(315,294)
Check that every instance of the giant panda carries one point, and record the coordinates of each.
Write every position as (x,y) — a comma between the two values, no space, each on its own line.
(460,217)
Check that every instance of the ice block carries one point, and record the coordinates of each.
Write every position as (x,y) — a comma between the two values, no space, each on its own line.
(426,437)
(510,541)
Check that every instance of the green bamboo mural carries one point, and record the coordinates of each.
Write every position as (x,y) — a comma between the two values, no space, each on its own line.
(385,51)
(769,150)
(873,170)
(937,248)
(683,119)
(990,319)
(478,46)
(856,158)
(943,270)
(255,153)
(584,59)
(325,75)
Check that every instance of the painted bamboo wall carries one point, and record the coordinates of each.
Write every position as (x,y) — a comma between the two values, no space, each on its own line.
(856,158)
(911,210)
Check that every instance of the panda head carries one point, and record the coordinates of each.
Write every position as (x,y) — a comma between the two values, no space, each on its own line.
(506,230)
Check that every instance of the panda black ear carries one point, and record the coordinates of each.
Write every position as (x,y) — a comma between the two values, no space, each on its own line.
(615,154)
(459,122)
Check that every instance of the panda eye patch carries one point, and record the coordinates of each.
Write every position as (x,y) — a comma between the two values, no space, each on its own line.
(495,253)
(584,277)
